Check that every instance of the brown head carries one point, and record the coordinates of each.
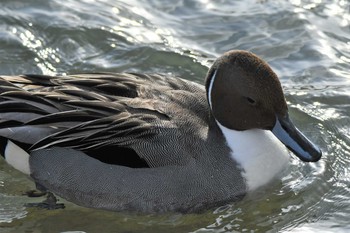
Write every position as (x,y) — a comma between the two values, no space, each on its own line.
(244,93)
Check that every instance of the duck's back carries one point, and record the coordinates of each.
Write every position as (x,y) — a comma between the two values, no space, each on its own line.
(38,111)
(146,137)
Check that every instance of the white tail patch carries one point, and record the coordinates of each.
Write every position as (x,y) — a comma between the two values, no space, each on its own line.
(17,157)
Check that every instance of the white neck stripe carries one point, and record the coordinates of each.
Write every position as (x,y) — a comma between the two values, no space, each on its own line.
(211,87)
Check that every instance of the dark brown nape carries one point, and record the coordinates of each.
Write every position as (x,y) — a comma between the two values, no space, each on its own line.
(243,58)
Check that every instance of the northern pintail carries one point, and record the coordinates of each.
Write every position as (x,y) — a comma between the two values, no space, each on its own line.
(151,143)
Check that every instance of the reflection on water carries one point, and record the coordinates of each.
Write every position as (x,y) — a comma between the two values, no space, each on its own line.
(306,42)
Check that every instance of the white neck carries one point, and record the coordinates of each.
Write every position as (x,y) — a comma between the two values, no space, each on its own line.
(261,155)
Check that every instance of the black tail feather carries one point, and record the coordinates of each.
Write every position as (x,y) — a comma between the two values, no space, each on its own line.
(3,144)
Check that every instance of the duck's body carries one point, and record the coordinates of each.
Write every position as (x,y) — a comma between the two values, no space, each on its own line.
(143,142)
(150,119)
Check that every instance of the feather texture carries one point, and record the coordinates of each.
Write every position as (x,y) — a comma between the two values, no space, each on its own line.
(93,112)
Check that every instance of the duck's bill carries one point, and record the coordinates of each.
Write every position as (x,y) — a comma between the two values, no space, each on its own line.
(295,140)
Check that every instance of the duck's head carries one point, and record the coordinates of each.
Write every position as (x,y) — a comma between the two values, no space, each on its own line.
(244,93)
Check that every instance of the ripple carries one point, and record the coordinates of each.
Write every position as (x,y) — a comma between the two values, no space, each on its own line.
(10,209)
(306,42)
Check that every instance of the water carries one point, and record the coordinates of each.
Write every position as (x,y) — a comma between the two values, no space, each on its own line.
(306,42)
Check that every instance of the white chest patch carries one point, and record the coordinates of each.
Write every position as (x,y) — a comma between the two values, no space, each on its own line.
(261,155)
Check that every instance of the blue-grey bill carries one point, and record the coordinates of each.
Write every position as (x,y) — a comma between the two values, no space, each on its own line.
(295,140)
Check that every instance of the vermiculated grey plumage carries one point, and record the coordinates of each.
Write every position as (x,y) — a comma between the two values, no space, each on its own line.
(165,122)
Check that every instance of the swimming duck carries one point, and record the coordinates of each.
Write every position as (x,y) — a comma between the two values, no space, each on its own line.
(151,143)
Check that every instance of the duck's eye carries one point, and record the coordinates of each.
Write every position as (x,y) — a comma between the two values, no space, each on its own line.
(251,100)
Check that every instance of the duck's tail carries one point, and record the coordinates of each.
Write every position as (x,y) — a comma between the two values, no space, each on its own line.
(14,155)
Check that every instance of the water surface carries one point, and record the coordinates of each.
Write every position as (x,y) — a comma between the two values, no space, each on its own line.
(306,42)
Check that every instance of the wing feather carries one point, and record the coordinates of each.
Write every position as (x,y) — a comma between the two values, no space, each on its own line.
(90,112)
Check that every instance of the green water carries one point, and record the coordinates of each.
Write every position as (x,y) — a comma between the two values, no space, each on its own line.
(306,42)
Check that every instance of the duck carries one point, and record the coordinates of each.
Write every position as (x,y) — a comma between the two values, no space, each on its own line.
(151,143)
